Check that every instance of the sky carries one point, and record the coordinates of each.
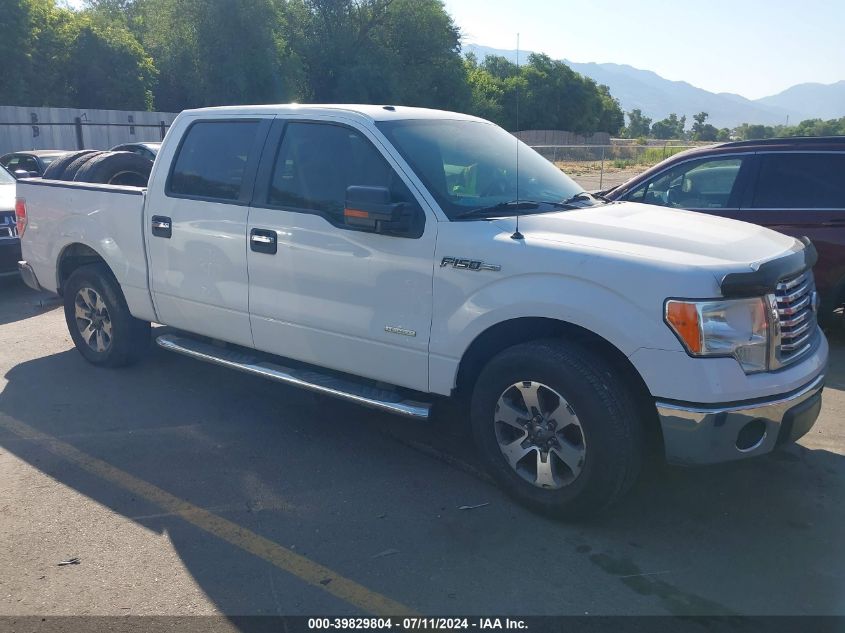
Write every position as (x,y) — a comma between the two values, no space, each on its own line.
(754,48)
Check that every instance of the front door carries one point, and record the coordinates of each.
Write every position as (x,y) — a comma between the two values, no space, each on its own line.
(322,291)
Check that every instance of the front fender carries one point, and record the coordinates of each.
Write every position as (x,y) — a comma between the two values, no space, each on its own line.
(461,316)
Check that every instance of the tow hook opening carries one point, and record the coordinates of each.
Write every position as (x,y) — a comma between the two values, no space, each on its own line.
(751,435)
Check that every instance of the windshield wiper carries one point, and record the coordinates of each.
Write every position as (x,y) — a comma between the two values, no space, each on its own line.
(582,196)
(512,205)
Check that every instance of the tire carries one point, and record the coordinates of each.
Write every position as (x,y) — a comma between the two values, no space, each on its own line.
(116,168)
(92,297)
(74,166)
(587,415)
(56,169)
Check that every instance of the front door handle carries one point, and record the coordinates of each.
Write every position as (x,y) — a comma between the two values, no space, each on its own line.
(263,241)
(162,226)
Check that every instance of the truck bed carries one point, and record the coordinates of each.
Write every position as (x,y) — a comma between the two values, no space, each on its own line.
(64,217)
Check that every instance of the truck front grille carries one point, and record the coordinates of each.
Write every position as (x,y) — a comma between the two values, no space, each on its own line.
(8,228)
(796,305)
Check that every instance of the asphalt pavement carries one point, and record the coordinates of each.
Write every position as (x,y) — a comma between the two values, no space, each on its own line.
(184,488)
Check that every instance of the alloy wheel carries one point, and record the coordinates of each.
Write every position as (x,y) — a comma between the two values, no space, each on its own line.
(540,435)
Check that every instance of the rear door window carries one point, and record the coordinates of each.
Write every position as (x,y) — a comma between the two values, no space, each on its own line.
(212,160)
(800,181)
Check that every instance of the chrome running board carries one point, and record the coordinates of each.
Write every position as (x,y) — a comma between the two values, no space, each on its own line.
(327,384)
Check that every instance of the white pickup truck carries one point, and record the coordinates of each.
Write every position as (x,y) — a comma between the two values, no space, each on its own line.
(392,256)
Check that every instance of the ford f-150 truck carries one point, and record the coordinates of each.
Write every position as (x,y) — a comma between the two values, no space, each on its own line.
(393,256)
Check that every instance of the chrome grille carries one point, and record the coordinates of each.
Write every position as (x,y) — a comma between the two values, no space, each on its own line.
(795,301)
(8,227)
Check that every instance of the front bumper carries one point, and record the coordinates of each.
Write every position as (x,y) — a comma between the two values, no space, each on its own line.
(28,276)
(706,434)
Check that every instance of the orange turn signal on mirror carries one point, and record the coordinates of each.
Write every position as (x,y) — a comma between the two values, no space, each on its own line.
(355,213)
(683,318)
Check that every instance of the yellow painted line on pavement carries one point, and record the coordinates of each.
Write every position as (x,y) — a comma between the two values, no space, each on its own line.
(296,564)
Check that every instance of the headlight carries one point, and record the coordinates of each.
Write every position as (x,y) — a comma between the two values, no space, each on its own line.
(730,327)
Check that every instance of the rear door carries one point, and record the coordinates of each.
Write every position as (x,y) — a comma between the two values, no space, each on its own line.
(196,227)
(803,193)
(321,291)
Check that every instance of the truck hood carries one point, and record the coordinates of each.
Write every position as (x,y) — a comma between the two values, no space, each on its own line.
(671,236)
(7,197)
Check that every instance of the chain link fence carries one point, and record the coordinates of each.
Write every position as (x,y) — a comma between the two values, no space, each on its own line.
(597,167)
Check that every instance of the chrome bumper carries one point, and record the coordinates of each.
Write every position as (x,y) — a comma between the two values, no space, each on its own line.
(706,434)
(28,276)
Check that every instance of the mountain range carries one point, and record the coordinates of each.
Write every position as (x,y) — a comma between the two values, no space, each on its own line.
(657,96)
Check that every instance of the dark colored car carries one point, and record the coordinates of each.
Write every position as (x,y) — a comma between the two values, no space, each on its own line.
(792,185)
(147,150)
(33,162)
(10,244)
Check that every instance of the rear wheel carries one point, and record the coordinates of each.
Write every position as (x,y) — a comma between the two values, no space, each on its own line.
(98,319)
(557,428)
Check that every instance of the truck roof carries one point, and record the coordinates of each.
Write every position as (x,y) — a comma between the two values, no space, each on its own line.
(371,112)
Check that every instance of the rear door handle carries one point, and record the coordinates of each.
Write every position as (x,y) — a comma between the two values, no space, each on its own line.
(263,241)
(836,222)
(162,226)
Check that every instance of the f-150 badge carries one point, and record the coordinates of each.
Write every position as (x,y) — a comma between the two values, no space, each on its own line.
(468,264)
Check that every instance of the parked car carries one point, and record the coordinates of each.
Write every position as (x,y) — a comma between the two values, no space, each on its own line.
(10,245)
(147,150)
(395,256)
(792,185)
(33,163)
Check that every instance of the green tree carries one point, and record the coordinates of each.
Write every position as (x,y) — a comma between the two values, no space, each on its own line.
(671,127)
(34,40)
(107,68)
(216,52)
(485,91)
(549,95)
(378,51)
(753,132)
(639,125)
(58,57)
(701,130)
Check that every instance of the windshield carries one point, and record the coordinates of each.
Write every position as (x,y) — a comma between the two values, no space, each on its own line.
(470,165)
(5,177)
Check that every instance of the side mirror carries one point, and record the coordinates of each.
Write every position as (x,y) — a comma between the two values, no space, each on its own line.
(371,209)
(21,173)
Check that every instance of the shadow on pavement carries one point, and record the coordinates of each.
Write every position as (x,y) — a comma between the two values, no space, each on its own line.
(19,302)
(836,371)
(341,485)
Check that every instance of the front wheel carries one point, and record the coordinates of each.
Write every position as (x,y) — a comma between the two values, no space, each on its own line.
(557,427)
(99,321)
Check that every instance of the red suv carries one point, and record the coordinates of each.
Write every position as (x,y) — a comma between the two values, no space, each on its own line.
(792,185)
